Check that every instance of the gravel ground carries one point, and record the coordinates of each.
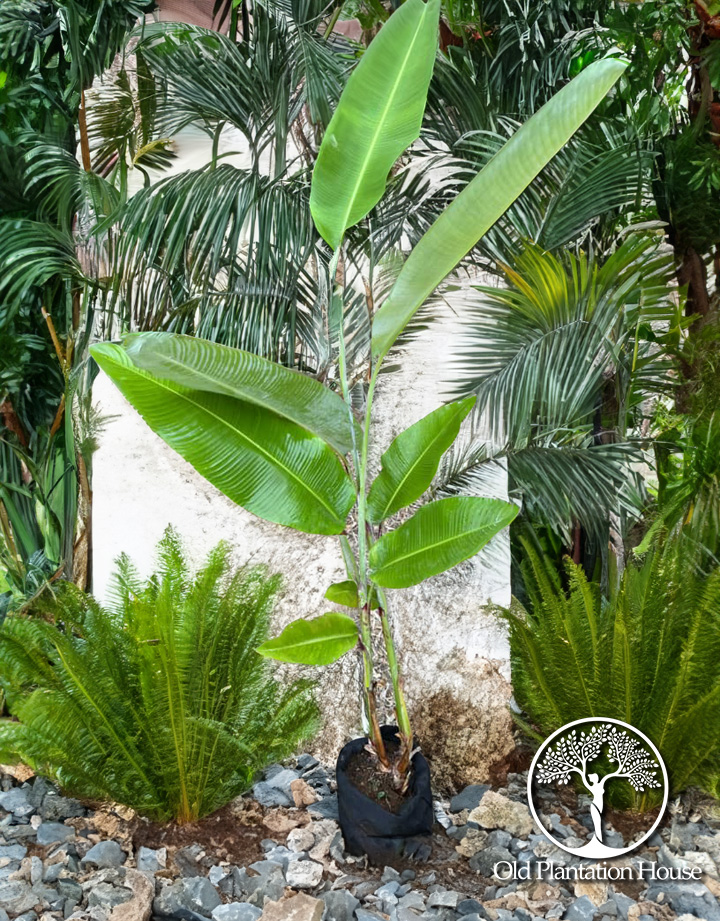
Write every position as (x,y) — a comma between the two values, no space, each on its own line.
(277,854)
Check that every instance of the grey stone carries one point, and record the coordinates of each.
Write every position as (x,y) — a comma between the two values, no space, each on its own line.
(682,833)
(27,916)
(403,914)
(236,911)
(70,889)
(17,801)
(36,871)
(221,878)
(52,873)
(363,915)
(499,838)
(582,909)
(687,898)
(609,909)
(469,798)
(340,905)
(389,874)
(283,779)
(476,915)
(149,860)
(56,807)
(280,855)
(105,895)
(624,904)
(54,832)
(269,796)
(272,770)
(443,898)
(387,889)
(484,861)
(469,907)
(104,855)
(412,900)
(307,762)
(13,852)
(39,789)
(193,894)
(16,896)
(266,868)
(186,860)
(327,807)
(257,889)
(612,838)
(304,874)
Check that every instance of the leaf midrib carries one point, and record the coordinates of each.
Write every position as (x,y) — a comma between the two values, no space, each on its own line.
(270,458)
(314,641)
(428,547)
(413,467)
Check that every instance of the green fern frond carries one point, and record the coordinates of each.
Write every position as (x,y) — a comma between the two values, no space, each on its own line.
(650,656)
(159,702)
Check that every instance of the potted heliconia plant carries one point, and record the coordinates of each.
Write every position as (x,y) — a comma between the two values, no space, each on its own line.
(291,450)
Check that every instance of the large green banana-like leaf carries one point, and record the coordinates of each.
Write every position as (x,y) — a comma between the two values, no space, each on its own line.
(265,463)
(409,464)
(488,196)
(319,641)
(202,365)
(379,115)
(438,536)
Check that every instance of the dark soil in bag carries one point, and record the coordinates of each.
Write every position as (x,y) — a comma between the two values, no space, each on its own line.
(375,819)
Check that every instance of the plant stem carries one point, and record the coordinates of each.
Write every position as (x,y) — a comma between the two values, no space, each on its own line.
(373,727)
(401,713)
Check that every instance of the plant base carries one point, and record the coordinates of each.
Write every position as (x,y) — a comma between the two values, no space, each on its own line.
(369,828)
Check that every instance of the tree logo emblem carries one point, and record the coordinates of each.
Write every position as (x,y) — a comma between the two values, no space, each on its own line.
(599,755)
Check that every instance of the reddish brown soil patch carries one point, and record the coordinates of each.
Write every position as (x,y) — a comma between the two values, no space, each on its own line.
(231,833)
(517,761)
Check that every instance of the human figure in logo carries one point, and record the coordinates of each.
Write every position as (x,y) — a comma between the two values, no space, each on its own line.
(596,789)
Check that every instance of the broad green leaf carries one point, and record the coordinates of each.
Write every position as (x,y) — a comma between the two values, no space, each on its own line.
(313,642)
(473,212)
(379,115)
(265,463)
(345,593)
(409,464)
(202,365)
(438,536)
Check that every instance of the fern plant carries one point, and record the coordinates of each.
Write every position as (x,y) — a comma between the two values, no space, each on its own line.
(649,655)
(159,702)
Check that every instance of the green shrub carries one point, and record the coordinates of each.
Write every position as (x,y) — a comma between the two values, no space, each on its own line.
(160,702)
(650,656)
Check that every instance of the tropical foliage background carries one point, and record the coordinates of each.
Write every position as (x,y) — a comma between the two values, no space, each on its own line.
(590,308)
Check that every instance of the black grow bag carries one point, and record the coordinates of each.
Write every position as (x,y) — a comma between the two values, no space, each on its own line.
(368,828)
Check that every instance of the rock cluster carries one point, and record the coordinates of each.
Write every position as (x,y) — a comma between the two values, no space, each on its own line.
(54,865)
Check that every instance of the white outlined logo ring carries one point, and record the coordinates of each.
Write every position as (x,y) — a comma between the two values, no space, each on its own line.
(572,750)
